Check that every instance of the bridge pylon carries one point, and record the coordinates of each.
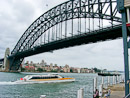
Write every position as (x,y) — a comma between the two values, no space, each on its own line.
(15,64)
(5,66)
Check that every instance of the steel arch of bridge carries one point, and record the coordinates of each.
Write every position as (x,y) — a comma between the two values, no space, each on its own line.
(73,9)
(69,10)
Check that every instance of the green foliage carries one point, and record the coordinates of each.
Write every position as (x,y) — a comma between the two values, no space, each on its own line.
(71,70)
(61,71)
(54,71)
(96,70)
(40,70)
(22,69)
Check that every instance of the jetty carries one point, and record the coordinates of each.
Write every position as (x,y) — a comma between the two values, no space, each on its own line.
(113,89)
(117,91)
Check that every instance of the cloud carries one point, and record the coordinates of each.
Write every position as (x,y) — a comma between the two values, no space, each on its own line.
(16,16)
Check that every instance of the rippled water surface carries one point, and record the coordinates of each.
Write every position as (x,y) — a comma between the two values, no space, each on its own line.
(9,89)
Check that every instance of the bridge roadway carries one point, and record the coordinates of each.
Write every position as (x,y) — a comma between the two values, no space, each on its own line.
(85,38)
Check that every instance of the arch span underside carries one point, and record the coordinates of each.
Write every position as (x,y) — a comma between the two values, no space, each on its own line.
(66,16)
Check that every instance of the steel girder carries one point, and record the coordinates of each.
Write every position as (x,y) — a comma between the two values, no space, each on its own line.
(15,63)
(73,9)
(92,37)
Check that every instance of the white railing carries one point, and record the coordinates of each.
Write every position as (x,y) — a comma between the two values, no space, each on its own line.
(128,96)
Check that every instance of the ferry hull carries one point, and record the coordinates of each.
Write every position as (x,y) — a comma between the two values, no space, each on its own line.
(108,74)
(47,81)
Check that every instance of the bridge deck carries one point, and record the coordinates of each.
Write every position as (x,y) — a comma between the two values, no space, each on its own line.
(86,38)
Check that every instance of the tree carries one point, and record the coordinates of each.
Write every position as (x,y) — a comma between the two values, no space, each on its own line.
(40,70)
(71,70)
(22,69)
(96,70)
(54,71)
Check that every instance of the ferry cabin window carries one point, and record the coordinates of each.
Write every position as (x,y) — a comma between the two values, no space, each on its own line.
(51,77)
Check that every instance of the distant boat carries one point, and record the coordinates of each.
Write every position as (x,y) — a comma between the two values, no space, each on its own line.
(108,74)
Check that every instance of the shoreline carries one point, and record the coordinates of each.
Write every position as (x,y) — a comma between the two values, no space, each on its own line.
(42,72)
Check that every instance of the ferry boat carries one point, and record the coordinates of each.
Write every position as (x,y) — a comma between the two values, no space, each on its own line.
(109,74)
(50,78)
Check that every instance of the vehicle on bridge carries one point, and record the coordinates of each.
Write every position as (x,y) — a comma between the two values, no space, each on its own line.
(50,78)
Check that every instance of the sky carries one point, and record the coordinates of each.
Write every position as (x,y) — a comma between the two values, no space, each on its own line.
(17,15)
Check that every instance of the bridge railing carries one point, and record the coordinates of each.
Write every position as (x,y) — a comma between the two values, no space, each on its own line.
(82,34)
(128,96)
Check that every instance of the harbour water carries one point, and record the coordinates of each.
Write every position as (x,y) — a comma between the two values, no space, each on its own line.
(9,89)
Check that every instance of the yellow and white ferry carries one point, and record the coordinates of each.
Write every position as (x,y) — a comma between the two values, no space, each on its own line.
(50,78)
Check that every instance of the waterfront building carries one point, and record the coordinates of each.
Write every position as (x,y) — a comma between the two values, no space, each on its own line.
(51,66)
(38,65)
(82,70)
(43,67)
(91,71)
(47,68)
(31,63)
(30,68)
(66,68)
(73,70)
(78,70)
(43,63)
(56,68)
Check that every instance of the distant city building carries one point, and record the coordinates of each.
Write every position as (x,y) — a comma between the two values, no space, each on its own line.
(66,69)
(30,68)
(42,63)
(78,70)
(44,67)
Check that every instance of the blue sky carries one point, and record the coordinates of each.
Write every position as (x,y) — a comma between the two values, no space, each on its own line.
(17,15)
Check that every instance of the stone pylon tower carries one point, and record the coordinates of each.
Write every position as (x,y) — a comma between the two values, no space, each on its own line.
(6,61)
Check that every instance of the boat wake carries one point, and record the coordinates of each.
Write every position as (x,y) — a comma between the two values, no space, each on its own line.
(7,83)
(12,83)
(18,83)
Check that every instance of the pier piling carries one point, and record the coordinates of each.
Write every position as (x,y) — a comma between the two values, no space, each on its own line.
(100,90)
(113,80)
(80,93)
(95,85)
(108,81)
(102,81)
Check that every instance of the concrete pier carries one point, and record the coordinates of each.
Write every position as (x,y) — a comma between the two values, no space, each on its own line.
(117,91)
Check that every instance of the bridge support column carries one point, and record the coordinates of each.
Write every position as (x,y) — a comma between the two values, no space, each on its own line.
(5,66)
(126,62)
(15,64)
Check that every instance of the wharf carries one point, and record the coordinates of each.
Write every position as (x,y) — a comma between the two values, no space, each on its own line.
(117,90)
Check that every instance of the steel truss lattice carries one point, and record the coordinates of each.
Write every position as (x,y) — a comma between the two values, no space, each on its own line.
(70,10)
